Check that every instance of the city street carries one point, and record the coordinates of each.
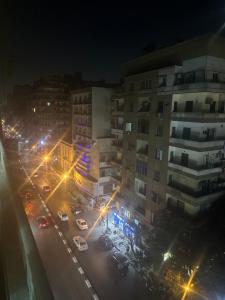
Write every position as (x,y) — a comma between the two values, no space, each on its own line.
(66,281)
(95,262)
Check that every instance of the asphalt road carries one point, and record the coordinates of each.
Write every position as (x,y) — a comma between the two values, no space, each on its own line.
(66,281)
(95,263)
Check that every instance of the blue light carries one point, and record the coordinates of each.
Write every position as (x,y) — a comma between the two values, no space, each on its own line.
(42,142)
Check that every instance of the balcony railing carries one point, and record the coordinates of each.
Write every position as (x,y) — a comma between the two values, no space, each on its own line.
(118,108)
(198,138)
(195,166)
(117,126)
(117,161)
(118,144)
(214,187)
(116,177)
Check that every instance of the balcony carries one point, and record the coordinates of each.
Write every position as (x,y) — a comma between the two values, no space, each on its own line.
(141,192)
(214,187)
(143,151)
(116,161)
(196,115)
(197,141)
(145,108)
(118,108)
(193,168)
(117,144)
(116,177)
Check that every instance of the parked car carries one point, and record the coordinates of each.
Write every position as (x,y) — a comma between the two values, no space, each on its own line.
(46,189)
(28,195)
(43,222)
(35,174)
(119,262)
(105,242)
(82,224)
(76,210)
(63,216)
(80,243)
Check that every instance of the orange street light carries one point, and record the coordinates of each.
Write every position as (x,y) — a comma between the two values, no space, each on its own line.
(46,158)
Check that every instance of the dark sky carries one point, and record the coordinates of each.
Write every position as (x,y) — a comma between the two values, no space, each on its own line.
(46,37)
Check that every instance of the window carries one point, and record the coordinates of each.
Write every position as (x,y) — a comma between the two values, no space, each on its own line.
(215,77)
(159,131)
(155,197)
(158,154)
(186,133)
(175,106)
(162,80)
(143,126)
(160,107)
(146,84)
(141,167)
(128,127)
(156,175)
(184,159)
(189,106)
(140,187)
(179,79)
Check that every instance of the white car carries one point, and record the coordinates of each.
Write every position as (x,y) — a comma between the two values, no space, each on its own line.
(80,243)
(82,224)
(63,216)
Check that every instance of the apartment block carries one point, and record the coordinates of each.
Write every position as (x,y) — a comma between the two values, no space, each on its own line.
(91,134)
(174,128)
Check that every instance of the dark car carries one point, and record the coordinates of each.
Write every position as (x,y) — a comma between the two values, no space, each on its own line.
(43,222)
(76,210)
(119,262)
(105,242)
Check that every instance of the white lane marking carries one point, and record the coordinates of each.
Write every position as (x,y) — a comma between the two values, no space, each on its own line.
(69,250)
(88,283)
(46,209)
(60,233)
(56,226)
(74,259)
(64,242)
(81,270)
(95,297)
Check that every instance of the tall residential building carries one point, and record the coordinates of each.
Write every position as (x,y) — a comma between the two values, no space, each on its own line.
(50,112)
(91,125)
(117,126)
(174,133)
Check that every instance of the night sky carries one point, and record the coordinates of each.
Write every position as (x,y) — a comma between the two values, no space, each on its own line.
(47,37)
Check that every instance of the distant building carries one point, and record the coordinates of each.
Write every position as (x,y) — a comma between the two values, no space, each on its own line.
(50,113)
(174,128)
(91,133)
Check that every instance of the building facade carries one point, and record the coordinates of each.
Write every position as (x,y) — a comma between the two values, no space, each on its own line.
(91,135)
(173,139)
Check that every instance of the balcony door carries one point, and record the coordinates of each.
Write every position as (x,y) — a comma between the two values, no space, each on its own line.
(184,159)
(186,133)
(189,106)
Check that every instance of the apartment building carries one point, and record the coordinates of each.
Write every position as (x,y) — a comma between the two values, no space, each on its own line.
(91,133)
(173,139)
(117,127)
(50,112)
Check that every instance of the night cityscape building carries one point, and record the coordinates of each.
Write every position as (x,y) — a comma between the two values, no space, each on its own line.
(173,143)
(155,141)
(91,133)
